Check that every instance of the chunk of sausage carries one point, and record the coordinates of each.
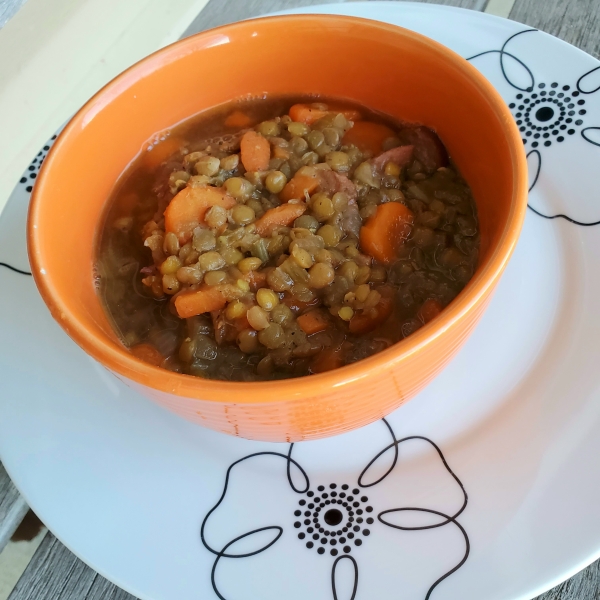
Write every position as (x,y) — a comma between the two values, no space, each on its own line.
(428,148)
(332,182)
(399,156)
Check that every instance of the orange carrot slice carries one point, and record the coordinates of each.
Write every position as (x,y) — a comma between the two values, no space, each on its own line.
(303,113)
(280,216)
(313,322)
(430,309)
(279,152)
(256,279)
(238,120)
(363,322)
(297,187)
(187,209)
(368,136)
(203,300)
(255,151)
(386,231)
(148,353)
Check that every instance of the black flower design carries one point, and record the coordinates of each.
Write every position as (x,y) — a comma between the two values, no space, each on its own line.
(547,112)
(27,181)
(33,170)
(546,115)
(14,269)
(336,519)
(334,516)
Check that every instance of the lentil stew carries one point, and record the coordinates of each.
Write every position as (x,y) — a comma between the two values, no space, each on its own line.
(281,237)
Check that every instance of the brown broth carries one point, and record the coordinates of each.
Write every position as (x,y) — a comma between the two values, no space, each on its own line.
(431,267)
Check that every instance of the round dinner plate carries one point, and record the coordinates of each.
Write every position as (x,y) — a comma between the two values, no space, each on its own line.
(486,485)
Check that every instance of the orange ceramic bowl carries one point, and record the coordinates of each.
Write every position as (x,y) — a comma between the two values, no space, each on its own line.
(381,66)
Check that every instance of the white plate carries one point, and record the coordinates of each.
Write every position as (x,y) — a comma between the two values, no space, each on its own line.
(126,485)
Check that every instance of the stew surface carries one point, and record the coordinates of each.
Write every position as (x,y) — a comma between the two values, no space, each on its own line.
(281,237)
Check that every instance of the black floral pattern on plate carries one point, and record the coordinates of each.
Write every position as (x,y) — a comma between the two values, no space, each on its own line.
(547,113)
(33,170)
(14,269)
(337,519)
(334,516)
(27,182)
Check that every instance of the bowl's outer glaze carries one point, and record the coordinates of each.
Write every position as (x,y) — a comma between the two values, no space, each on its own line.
(384,67)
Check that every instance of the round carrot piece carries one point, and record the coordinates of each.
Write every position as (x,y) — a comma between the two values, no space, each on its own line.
(386,231)
(368,136)
(256,151)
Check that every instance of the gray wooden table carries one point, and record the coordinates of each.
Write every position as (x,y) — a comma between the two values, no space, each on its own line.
(56,574)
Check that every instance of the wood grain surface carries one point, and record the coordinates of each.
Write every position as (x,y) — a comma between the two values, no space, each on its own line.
(575,21)
(56,574)
(12,508)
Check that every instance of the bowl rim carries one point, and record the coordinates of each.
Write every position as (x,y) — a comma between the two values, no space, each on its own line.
(123,363)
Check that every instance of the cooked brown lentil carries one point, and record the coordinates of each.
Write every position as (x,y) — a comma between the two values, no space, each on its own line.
(292,296)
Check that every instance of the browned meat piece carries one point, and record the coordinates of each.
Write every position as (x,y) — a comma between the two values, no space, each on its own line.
(399,156)
(428,148)
(332,182)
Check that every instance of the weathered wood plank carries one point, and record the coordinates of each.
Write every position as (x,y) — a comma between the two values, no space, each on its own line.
(104,590)
(54,573)
(583,586)
(12,508)
(575,21)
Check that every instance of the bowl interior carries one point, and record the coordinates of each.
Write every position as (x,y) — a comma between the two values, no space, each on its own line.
(384,67)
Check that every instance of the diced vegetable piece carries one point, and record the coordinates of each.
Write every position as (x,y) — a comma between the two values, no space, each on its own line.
(327,360)
(399,156)
(280,152)
(280,216)
(429,150)
(313,322)
(187,209)
(259,249)
(238,120)
(255,151)
(383,233)
(303,113)
(352,114)
(148,353)
(160,153)
(256,279)
(365,321)
(430,309)
(368,136)
(297,187)
(204,300)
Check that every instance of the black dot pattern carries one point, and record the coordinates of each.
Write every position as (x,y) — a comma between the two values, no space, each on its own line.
(543,115)
(33,169)
(334,512)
